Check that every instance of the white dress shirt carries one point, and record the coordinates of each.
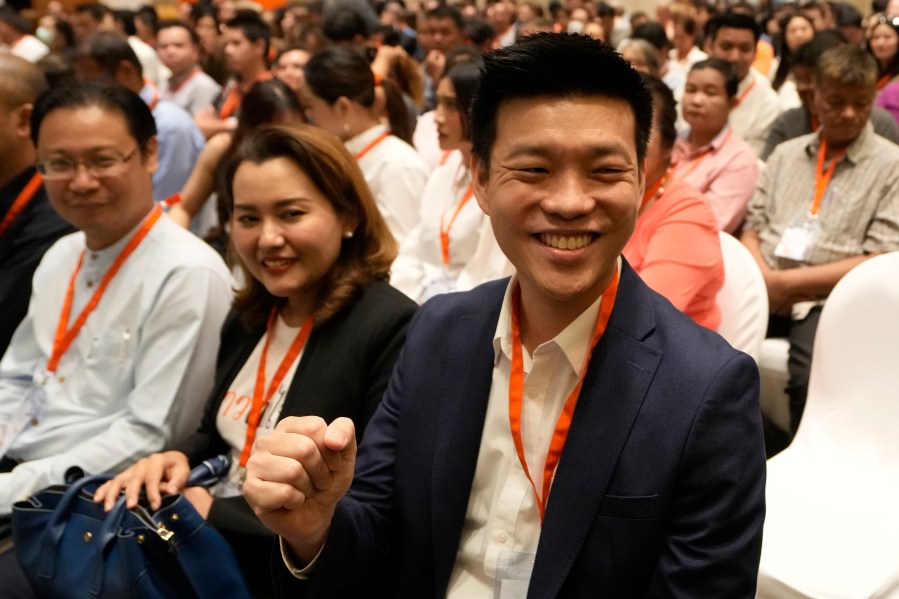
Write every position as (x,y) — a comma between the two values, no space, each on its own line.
(474,255)
(502,512)
(136,377)
(396,175)
(756,111)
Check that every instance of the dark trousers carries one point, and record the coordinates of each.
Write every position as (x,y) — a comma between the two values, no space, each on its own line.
(801,335)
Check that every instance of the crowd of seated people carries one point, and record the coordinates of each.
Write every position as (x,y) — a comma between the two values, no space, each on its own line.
(216,217)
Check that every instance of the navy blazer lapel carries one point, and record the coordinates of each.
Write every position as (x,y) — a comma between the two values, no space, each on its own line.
(620,372)
(463,388)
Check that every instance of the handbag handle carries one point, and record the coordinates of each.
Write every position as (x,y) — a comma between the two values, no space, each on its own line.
(57,524)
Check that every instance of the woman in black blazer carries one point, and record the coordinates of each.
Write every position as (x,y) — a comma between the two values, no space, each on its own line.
(315,254)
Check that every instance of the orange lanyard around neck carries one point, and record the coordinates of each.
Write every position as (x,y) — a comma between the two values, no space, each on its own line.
(822,177)
(697,160)
(882,82)
(371,146)
(261,396)
(174,89)
(20,202)
(516,391)
(445,229)
(64,335)
(745,93)
(231,103)
(154,99)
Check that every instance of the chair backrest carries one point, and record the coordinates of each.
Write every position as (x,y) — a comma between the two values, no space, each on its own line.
(743,298)
(853,398)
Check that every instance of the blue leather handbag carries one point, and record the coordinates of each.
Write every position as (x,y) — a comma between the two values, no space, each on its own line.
(70,548)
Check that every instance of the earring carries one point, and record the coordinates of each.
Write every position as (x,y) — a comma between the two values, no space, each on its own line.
(348,235)
(346,128)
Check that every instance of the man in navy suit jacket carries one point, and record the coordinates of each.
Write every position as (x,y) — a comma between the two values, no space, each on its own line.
(652,483)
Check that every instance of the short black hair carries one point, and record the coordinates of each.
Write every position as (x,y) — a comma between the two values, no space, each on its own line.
(252,26)
(727,70)
(478,31)
(664,109)
(125,18)
(557,65)
(9,16)
(108,49)
(95,9)
(807,54)
(112,98)
(732,20)
(340,71)
(343,24)
(448,12)
(171,23)
(654,33)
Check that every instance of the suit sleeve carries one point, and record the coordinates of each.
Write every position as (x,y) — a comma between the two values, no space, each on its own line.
(715,536)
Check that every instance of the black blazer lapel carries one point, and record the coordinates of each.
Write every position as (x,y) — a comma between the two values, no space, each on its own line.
(619,375)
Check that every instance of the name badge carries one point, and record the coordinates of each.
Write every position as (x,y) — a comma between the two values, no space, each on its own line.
(797,241)
(513,574)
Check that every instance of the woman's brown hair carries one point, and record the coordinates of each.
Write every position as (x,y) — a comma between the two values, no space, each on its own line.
(364,257)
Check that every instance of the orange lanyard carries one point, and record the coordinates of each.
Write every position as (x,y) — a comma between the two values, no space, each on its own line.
(231,103)
(444,157)
(370,146)
(695,162)
(882,83)
(180,84)
(64,335)
(154,100)
(822,177)
(516,389)
(445,229)
(813,121)
(745,93)
(20,202)
(261,397)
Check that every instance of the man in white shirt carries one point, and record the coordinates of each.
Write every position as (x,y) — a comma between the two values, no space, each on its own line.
(733,37)
(188,87)
(572,377)
(16,35)
(117,352)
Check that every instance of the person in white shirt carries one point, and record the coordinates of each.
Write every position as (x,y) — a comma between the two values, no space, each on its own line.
(452,248)
(188,86)
(16,33)
(565,433)
(338,94)
(117,350)
(733,37)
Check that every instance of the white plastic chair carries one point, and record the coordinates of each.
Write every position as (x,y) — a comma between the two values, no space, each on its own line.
(832,525)
(773,375)
(743,299)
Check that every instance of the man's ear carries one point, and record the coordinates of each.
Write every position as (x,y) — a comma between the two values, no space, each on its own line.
(151,155)
(342,107)
(480,174)
(21,120)
(125,73)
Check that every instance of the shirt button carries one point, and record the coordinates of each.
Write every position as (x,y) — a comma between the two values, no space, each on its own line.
(533,393)
(93,256)
(502,537)
(90,284)
(35,422)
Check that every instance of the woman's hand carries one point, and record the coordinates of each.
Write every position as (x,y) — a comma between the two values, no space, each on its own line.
(159,473)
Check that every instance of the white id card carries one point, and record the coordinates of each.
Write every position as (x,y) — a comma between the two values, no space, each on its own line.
(513,574)
(797,241)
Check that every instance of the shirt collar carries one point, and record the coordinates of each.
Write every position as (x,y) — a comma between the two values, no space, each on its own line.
(104,257)
(856,150)
(712,146)
(358,143)
(574,340)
